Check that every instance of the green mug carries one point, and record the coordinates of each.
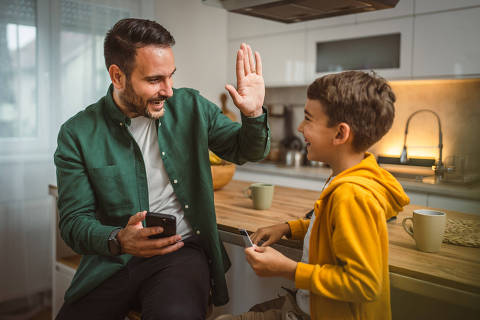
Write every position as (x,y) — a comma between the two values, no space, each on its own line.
(261,195)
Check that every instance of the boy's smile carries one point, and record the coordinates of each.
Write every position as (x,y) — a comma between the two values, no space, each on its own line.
(318,136)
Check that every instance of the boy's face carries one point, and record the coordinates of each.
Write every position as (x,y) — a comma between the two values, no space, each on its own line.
(318,136)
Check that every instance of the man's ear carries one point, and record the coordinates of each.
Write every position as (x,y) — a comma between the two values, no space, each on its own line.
(117,76)
(343,134)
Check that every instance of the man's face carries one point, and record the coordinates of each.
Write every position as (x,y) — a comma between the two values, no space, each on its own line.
(318,136)
(150,82)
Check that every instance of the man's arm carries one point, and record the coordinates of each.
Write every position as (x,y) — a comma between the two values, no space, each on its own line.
(76,201)
(249,141)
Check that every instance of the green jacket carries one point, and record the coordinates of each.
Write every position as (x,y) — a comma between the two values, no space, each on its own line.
(102,181)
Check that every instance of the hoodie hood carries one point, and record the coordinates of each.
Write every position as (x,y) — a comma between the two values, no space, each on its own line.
(378,181)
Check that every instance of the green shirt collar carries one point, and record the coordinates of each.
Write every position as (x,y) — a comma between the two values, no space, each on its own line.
(113,111)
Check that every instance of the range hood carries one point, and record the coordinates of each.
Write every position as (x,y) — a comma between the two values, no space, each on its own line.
(290,11)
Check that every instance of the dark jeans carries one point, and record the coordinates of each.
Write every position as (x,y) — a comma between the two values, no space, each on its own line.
(172,286)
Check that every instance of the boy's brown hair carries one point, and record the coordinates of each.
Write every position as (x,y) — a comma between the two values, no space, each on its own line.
(362,100)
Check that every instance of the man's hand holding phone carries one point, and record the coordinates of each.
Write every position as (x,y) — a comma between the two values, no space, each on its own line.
(134,239)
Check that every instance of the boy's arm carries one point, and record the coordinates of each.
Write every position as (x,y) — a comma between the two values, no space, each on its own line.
(298,228)
(357,243)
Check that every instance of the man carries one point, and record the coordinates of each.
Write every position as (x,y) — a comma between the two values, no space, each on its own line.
(144,146)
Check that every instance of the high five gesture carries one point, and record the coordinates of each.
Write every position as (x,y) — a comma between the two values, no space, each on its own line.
(250,92)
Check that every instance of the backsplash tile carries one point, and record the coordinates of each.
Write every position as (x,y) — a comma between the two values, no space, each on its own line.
(456,101)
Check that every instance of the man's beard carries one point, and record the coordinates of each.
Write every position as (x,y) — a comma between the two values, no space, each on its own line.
(136,104)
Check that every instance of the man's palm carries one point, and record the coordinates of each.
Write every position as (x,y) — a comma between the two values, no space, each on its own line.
(250,92)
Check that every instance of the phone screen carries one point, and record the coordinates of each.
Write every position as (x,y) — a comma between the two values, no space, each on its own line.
(246,238)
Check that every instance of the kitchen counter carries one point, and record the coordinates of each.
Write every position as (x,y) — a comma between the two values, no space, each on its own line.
(470,192)
(450,275)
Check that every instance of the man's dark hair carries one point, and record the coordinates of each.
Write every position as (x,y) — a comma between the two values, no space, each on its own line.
(127,35)
(362,100)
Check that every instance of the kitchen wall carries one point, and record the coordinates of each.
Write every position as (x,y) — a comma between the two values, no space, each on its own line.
(201,44)
(456,101)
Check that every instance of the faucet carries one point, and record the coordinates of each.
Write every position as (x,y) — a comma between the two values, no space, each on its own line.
(439,167)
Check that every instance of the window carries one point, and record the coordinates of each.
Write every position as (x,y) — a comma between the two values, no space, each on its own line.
(52,66)
(18,89)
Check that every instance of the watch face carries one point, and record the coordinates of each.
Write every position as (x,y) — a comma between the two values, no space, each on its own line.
(114,244)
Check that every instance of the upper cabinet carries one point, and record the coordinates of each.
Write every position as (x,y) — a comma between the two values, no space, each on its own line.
(416,39)
(447,44)
(283,58)
(402,9)
(242,26)
(384,46)
(427,6)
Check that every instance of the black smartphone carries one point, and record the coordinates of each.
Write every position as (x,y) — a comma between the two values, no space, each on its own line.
(166,221)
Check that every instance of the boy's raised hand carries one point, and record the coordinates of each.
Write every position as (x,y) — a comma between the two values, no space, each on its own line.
(268,262)
(270,234)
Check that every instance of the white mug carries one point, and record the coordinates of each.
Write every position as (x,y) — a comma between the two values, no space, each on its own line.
(427,229)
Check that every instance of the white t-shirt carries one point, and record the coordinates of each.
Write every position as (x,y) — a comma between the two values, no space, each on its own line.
(161,196)
(303,296)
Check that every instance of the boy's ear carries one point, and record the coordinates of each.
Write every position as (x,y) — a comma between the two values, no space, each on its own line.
(117,76)
(343,134)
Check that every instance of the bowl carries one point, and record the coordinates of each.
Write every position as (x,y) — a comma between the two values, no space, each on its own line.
(222,174)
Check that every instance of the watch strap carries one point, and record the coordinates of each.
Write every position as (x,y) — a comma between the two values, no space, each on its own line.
(113,243)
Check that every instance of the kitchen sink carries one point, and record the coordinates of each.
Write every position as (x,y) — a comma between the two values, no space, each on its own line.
(413,173)
(427,175)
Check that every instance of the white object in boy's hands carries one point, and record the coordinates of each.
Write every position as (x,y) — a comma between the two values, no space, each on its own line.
(246,238)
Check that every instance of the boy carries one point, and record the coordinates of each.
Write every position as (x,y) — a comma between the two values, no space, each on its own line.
(344,269)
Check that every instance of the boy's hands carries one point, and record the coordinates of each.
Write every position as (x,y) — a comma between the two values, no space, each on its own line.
(134,239)
(268,262)
(270,234)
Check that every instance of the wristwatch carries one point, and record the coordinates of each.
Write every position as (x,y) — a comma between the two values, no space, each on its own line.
(114,244)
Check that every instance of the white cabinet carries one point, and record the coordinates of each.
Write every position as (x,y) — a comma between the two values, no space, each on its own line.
(403,26)
(331,22)
(425,6)
(62,276)
(241,26)
(64,260)
(283,58)
(447,44)
(439,38)
(402,9)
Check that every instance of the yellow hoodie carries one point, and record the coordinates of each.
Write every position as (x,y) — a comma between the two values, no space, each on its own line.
(347,274)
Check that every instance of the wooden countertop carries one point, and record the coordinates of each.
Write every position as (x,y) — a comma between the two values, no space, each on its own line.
(453,266)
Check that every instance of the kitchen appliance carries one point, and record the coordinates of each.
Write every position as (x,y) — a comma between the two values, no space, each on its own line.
(294,158)
(291,145)
(289,11)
